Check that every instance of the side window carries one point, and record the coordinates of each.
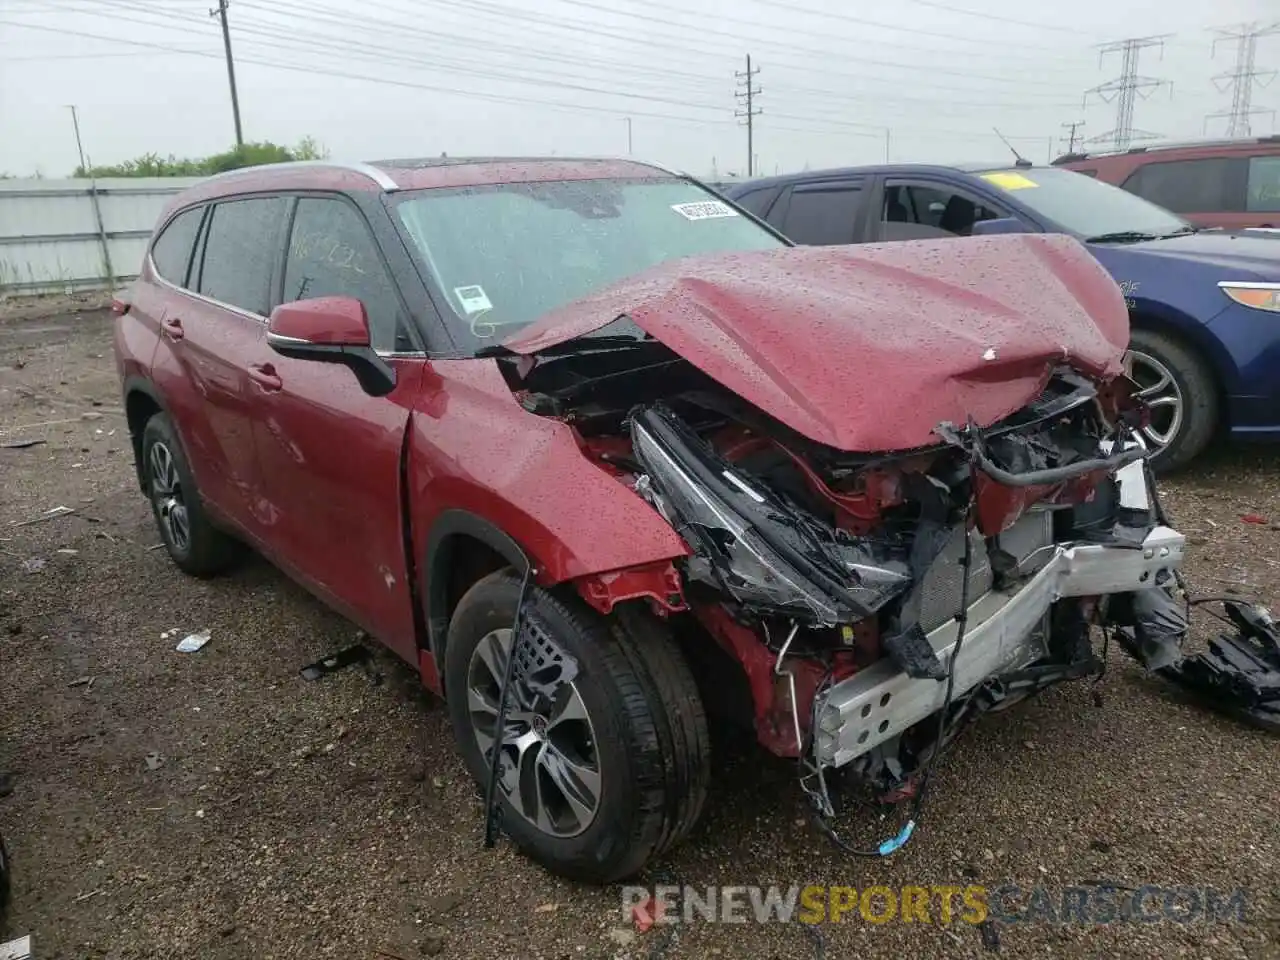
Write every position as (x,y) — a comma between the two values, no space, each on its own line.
(1186,186)
(332,253)
(914,211)
(171,252)
(1263,194)
(240,248)
(819,216)
(758,201)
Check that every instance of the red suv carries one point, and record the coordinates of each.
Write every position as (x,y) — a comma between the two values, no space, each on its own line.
(1213,183)
(599,453)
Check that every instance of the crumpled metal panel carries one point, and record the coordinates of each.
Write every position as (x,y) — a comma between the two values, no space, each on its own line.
(869,348)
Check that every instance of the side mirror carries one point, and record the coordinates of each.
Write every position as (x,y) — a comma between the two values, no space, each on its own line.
(984,228)
(331,330)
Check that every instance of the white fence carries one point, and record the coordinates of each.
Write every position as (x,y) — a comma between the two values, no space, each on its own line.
(60,236)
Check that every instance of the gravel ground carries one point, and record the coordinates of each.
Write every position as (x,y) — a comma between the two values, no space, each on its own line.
(332,819)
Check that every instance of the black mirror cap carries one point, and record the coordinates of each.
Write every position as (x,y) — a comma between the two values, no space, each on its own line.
(376,377)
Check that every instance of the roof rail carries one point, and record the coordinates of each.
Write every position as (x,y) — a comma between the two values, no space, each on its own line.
(380,177)
(1157,145)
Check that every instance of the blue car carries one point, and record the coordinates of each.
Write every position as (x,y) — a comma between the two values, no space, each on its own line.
(1204,304)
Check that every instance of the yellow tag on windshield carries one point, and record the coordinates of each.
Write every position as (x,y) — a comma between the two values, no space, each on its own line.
(1009,181)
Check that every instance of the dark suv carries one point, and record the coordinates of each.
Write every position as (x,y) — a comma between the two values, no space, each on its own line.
(1212,183)
(596,453)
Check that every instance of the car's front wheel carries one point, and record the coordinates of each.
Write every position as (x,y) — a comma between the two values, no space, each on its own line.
(1182,395)
(604,755)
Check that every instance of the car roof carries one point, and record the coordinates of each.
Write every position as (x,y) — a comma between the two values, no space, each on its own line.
(898,169)
(1234,143)
(416,174)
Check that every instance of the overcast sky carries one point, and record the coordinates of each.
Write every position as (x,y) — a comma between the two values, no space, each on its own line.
(396,78)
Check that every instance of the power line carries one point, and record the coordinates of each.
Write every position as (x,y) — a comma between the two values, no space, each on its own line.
(295,39)
(1244,78)
(745,94)
(1126,88)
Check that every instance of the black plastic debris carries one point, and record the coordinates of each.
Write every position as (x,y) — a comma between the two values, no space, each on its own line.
(20,444)
(1240,673)
(338,661)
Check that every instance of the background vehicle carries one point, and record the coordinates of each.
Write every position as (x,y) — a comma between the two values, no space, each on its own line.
(1203,306)
(1212,183)
(593,393)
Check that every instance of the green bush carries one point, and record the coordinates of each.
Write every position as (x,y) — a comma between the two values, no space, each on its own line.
(245,155)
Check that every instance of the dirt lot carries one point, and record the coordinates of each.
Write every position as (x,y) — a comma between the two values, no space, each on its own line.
(332,819)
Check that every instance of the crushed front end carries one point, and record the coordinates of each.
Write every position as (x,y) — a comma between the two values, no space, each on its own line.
(844,583)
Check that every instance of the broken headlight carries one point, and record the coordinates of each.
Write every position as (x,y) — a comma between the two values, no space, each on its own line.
(763,552)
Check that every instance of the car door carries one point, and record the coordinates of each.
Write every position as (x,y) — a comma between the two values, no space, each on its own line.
(821,212)
(926,209)
(212,328)
(330,453)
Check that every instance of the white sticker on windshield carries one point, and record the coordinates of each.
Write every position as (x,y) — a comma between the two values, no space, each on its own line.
(704,210)
(472,299)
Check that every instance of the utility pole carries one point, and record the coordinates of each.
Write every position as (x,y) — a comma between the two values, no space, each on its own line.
(1126,88)
(1072,127)
(887,133)
(75,123)
(746,94)
(1241,81)
(221,14)
(628,119)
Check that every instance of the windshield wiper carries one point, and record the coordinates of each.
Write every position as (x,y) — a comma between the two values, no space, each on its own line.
(1122,236)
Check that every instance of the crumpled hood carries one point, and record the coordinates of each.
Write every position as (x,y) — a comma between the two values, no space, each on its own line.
(868,348)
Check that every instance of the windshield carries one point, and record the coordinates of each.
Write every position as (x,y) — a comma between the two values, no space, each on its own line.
(1084,206)
(505,254)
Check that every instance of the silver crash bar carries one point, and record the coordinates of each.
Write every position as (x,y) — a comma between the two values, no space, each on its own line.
(1002,635)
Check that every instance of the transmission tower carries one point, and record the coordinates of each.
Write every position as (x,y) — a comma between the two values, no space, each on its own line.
(746,93)
(1126,88)
(1244,78)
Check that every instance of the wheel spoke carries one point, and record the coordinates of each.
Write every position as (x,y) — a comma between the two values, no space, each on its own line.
(568,708)
(577,784)
(1166,401)
(492,651)
(1163,382)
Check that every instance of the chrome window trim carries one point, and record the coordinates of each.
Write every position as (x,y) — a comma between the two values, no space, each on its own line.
(250,315)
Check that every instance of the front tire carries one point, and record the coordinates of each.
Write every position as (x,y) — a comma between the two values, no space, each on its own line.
(609,767)
(1182,393)
(193,542)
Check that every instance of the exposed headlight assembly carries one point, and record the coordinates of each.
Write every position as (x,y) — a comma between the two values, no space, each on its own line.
(1259,296)
(762,552)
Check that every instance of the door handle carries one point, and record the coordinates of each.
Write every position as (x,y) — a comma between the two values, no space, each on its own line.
(172,327)
(265,376)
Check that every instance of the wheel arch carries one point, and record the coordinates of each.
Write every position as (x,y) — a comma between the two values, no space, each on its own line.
(142,401)
(1160,318)
(461,548)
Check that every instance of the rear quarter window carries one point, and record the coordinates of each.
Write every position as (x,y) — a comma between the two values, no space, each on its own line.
(171,251)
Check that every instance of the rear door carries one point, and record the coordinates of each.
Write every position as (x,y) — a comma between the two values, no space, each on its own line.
(330,453)
(821,212)
(211,331)
(1209,191)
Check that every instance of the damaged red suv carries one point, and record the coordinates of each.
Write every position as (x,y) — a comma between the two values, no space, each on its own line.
(600,454)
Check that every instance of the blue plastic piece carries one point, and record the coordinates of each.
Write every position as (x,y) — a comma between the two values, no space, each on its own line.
(898,842)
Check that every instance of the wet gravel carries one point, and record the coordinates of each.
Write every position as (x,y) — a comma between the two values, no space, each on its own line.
(215,805)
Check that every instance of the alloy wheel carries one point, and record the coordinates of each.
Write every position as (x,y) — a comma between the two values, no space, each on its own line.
(1158,388)
(549,769)
(167,494)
